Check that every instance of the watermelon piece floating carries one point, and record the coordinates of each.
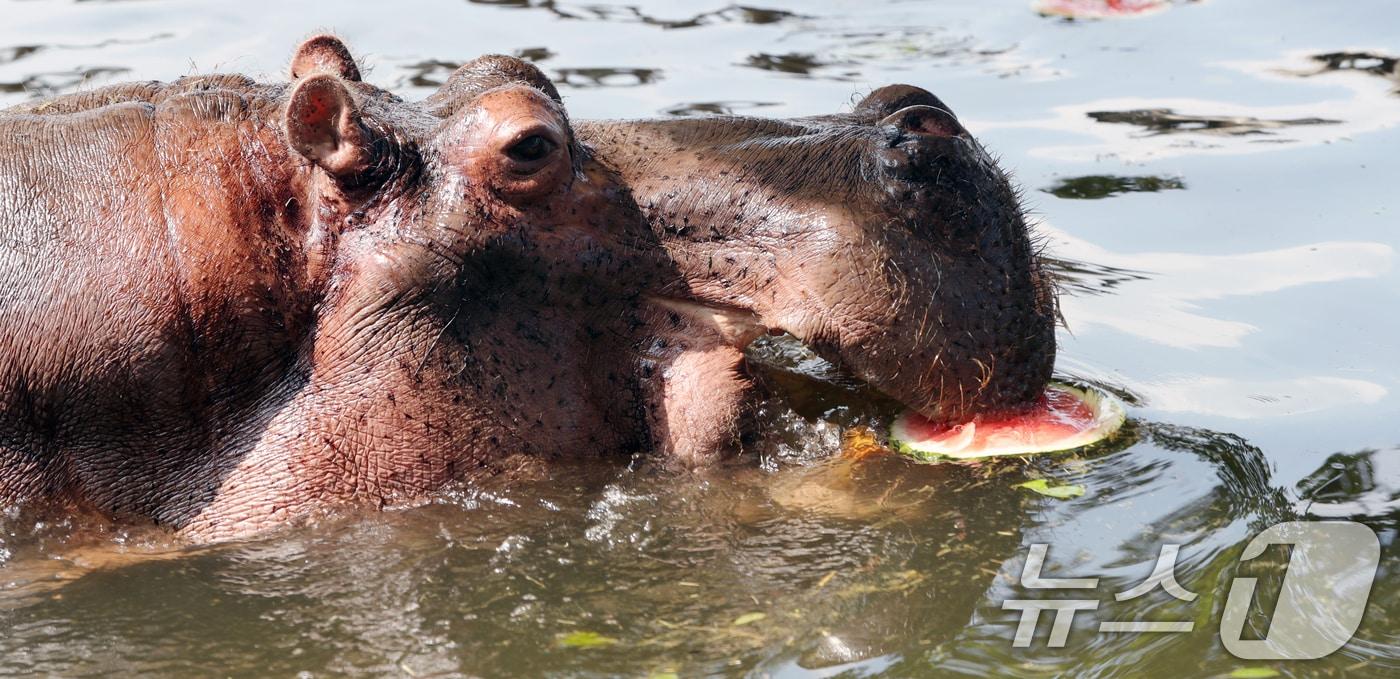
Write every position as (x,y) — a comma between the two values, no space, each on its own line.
(1098,9)
(1065,418)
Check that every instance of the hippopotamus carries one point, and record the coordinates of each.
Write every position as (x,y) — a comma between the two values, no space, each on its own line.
(885,239)
(228,305)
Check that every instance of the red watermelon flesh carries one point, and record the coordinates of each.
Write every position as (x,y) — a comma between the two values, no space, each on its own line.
(1098,9)
(1063,419)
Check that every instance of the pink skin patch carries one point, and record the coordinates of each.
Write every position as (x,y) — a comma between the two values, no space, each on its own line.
(1063,419)
(316,110)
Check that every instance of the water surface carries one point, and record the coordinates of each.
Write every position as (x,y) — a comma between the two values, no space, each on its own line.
(1217,186)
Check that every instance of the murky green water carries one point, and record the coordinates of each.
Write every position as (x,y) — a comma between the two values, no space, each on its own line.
(1218,182)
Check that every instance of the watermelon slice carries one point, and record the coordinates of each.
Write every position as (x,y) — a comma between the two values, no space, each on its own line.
(1066,418)
(1098,9)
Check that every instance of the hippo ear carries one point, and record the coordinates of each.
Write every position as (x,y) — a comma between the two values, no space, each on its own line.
(323,123)
(890,98)
(324,54)
(926,120)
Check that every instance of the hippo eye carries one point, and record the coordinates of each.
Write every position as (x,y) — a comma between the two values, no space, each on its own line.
(531,149)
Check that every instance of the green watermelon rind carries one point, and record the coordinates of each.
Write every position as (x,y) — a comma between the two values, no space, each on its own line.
(1109,417)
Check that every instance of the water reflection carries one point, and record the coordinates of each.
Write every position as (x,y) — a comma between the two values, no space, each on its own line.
(1200,489)
(604,77)
(834,51)
(1137,129)
(1251,399)
(1362,486)
(1092,187)
(1163,307)
(1074,277)
(1175,485)
(791,63)
(9,54)
(447,588)
(814,562)
(1167,121)
(731,14)
(1246,490)
(631,13)
(864,567)
(434,72)
(1157,297)
(50,83)
(52,74)
(1372,63)
(703,108)
(429,73)
(535,54)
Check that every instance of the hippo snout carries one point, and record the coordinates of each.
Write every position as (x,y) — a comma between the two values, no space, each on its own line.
(886,239)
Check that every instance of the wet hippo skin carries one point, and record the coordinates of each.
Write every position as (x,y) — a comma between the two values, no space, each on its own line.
(229,305)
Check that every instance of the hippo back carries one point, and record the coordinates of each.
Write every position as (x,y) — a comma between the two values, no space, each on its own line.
(147,243)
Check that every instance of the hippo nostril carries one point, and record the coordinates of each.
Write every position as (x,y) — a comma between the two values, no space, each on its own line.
(926,120)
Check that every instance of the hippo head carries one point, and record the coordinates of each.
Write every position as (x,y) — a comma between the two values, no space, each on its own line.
(458,196)
(478,254)
(885,239)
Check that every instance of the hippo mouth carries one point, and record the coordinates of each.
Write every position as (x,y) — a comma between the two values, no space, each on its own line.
(1002,374)
(737,327)
(740,328)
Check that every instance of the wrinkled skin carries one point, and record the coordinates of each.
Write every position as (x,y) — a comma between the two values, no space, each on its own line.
(228,305)
(885,239)
(225,305)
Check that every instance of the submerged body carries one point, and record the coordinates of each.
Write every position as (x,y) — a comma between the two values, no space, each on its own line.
(225,305)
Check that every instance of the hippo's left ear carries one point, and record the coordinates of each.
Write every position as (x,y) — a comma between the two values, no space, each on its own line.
(324,53)
(926,120)
(891,98)
(323,124)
